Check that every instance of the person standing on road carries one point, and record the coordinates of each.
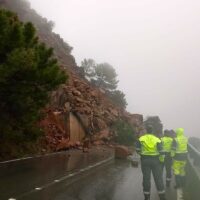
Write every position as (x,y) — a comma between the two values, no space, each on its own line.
(180,149)
(149,147)
(167,141)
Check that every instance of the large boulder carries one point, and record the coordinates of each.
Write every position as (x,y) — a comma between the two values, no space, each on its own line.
(121,152)
(63,145)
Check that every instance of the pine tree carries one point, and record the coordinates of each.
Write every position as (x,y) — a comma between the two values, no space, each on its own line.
(106,77)
(28,73)
(89,68)
(118,98)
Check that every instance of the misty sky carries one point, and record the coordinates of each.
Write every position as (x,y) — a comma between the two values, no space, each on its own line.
(154,46)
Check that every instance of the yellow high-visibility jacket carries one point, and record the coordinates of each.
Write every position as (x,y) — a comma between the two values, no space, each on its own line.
(149,145)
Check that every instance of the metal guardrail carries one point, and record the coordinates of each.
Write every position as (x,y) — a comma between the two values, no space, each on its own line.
(194,154)
(191,191)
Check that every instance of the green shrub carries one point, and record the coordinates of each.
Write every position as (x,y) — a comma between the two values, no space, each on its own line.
(124,133)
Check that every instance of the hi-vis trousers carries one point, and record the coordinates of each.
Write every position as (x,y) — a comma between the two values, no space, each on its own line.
(179,167)
(179,172)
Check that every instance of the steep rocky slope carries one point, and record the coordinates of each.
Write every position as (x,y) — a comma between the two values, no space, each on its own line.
(92,108)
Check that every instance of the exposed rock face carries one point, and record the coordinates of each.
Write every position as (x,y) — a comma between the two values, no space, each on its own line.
(95,112)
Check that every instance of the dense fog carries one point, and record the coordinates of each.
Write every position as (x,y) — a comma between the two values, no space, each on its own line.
(154,46)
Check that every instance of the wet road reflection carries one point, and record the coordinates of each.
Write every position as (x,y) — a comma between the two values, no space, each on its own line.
(64,177)
(115,181)
(17,178)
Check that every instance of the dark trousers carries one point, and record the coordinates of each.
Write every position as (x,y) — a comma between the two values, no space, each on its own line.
(168,166)
(152,164)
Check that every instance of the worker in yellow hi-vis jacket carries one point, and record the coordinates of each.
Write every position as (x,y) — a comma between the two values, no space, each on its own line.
(180,149)
(167,141)
(149,147)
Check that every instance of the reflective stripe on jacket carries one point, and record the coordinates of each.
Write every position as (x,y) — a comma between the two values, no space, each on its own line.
(149,144)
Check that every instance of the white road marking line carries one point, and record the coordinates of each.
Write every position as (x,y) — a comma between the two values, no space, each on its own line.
(71,175)
(38,188)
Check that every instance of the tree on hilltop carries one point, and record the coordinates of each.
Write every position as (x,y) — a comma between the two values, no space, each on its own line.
(89,66)
(102,75)
(106,76)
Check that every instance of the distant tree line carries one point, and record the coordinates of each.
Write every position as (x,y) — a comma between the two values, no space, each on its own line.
(104,76)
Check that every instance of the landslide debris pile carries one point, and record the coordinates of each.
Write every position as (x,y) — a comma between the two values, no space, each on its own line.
(94,110)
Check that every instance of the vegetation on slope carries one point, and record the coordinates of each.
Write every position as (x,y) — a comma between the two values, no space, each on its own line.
(104,76)
(28,72)
(29,97)
(124,133)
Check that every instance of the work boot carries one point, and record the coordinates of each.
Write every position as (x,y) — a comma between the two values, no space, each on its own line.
(183,181)
(162,196)
(178,182)
(167,183)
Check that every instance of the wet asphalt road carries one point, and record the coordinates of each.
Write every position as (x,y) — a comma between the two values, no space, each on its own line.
(22,176)
(116,181)
(73,176)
